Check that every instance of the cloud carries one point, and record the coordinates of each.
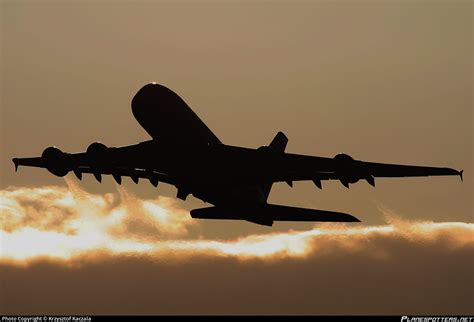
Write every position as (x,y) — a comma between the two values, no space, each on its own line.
(46,209)
(417,278)
(64,250)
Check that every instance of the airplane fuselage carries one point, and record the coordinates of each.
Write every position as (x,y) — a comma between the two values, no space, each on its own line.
(218,174)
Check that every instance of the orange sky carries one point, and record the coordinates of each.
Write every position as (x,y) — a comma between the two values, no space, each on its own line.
(387,81)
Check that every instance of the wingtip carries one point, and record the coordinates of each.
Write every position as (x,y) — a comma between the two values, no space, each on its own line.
(461,175)
(355,219)
(15,162)
(344,217)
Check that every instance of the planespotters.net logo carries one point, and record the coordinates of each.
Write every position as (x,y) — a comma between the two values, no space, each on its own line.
(437,319)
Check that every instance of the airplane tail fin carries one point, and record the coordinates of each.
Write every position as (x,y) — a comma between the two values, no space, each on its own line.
(278,145)
(279,142)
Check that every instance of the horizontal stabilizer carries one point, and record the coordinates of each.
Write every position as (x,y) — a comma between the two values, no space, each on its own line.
(213,213)
(286,213)
(267,214)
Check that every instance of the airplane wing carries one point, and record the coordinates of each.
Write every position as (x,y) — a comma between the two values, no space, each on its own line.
(266,214)
(98,160)
(347,170)
(396,170)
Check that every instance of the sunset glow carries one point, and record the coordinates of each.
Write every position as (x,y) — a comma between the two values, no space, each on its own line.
(68,223)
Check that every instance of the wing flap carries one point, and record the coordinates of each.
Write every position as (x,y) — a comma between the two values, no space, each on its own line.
(135,174)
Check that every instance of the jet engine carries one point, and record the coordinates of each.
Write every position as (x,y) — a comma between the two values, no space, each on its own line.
(346,169)
(57,162)
(349,171)
(97,153)
(96,149)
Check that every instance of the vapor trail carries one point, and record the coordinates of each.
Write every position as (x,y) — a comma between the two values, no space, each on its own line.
(68,224)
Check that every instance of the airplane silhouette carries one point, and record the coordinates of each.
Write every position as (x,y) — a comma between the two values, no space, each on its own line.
(185,153)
